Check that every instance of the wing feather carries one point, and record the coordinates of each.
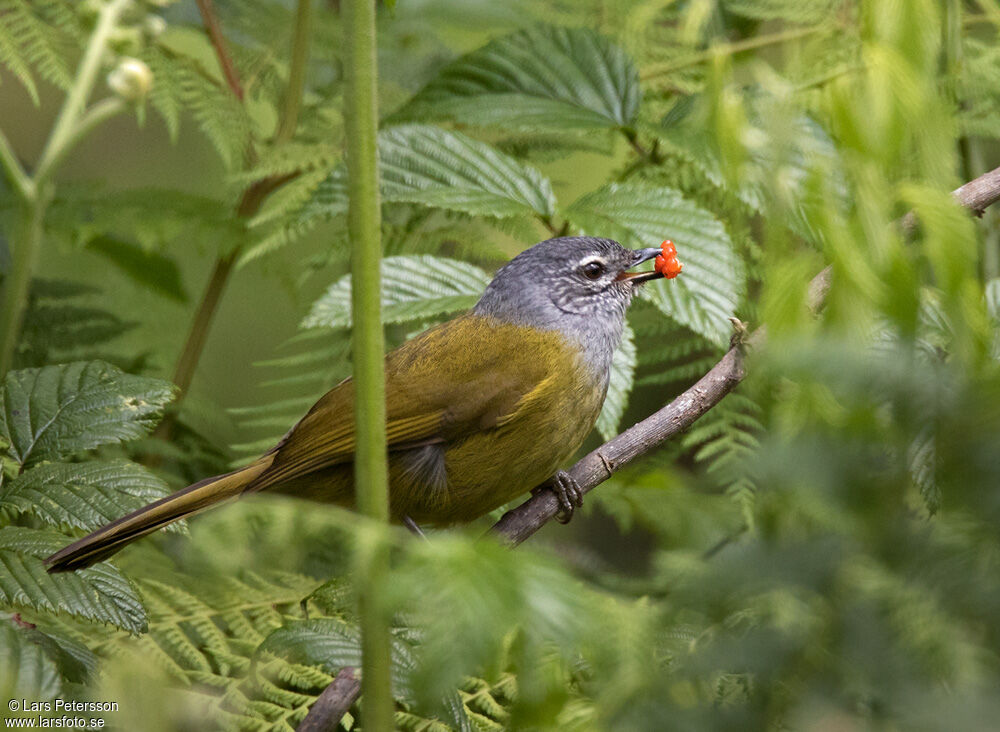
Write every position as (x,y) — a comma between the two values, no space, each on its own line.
(489,372)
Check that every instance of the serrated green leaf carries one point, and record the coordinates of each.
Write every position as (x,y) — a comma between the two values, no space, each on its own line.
(427,166)
(25,671)
(620,386)
(708,291)
(413,288)
(82,495)
(156,271)
(443,169)
(54,411)
(65,327)
(333,644)
(75,662)
(100,593)
(544,77)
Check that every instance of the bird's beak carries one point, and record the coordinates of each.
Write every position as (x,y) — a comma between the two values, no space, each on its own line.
(638,257)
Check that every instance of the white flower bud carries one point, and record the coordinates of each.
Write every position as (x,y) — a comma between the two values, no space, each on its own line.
(131,79)
(154,26)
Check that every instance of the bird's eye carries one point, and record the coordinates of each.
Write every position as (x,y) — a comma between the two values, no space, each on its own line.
(592,270)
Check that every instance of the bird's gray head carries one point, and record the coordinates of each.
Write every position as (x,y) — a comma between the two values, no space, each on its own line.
(577,285)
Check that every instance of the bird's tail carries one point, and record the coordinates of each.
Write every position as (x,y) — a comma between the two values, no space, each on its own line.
(109,539)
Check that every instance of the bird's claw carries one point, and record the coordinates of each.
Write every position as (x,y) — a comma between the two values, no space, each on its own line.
(568,492)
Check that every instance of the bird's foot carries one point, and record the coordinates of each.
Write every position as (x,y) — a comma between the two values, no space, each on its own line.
(568,492)
(412,526)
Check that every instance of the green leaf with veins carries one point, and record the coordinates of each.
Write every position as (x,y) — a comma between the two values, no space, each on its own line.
(546,77)
(413,288)
(100,593)
(54,411)
(709,290)
(82,495)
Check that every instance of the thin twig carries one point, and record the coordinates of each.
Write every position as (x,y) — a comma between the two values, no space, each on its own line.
(729,49)
(827,78)
(250,203)
(211,21)
(519,523)
(332,704)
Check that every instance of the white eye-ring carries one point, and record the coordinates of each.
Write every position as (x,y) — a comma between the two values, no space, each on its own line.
(592,269)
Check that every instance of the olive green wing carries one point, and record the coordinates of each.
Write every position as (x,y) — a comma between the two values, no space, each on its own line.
(454,380)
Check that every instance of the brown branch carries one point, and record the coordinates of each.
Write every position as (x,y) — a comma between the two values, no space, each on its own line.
(519,523)
(211,21)
(250,203)
(333,703)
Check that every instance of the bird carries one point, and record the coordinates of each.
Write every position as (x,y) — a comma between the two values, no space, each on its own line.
(479,409)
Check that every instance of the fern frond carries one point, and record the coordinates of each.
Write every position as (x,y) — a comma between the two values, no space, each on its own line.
(39,38)
(185,85)
(61,325)
(723,441)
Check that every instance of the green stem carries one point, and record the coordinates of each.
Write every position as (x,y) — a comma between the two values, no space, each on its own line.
(70,126)
(23,185)
(370,470)
(27,244)
(729,49)
(198,333)
(64,133)
(825,79)
(297,71)
(972,150)
(952,47)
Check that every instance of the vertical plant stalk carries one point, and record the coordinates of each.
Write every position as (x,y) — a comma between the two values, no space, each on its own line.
(35,192)
(367,341)
(195,342)
(214,30)
(970,150)
(296,72)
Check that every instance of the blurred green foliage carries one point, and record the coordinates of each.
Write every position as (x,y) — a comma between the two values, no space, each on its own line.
(819,552)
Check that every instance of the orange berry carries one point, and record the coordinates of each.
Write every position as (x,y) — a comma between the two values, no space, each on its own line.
(666,263)
(672,268)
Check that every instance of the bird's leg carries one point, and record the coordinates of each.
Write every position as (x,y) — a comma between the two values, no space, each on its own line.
(568,492)
(412,526)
